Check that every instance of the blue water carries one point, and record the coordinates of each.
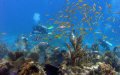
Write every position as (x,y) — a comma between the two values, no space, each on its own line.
(16,18)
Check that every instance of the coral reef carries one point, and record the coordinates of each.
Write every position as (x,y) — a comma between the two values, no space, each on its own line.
(16,64)
(3,49)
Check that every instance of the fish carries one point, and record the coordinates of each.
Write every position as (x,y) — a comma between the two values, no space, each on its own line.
(117,13)
(4,34)
(85,5)
(100,8)
(57,36)
(108,18)
(47,15)
(79,7)
(84,18)
(30,35)
(77,4)
(98,32)
(37,38)
(94,7)
(55,48)
(61,26)
(97,13)
(80,1)
(109,5)
(64,6)
(110,26)
(111,39)
(40,24)
(51,19)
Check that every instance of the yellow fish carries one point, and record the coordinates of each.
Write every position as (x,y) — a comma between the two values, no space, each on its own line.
(108,18)
(79,7)
(80,1)
(77,4)
(55,48)
(85,5)
(100,8)
(56,60)
(30,35)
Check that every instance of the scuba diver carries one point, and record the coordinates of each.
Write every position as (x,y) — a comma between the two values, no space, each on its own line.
(39,30)
(104,44)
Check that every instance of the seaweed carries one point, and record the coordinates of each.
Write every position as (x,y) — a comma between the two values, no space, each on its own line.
(79,55)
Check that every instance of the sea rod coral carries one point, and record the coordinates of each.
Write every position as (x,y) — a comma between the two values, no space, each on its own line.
(79,56)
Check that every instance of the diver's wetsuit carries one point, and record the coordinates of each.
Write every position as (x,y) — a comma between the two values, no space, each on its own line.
(39,30)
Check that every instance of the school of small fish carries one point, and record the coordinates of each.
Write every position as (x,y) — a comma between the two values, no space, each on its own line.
(85,15)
